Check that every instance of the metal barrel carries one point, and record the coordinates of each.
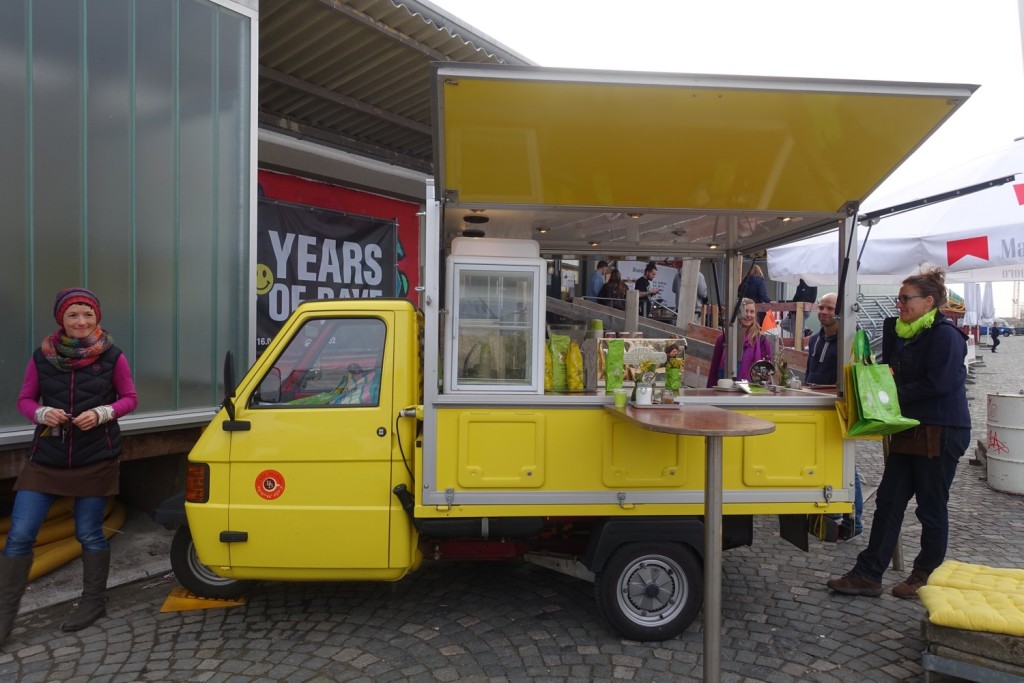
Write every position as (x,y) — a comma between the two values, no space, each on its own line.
(1005,450)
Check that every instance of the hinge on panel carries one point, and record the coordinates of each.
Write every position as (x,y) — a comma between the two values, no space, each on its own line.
(451,196)
(622,501)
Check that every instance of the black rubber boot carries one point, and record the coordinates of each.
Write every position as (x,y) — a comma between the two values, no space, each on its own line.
(93,605)
(13,577)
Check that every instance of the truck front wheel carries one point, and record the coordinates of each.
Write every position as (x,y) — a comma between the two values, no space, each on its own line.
(195,576)
(650,591)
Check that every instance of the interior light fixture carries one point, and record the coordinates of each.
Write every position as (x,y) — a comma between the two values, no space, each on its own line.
(542,230)
(786,219)
(712,245)
(594,244)
(635,215)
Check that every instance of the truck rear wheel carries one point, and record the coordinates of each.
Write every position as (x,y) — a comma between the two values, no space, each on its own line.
(650,591)
(195,576)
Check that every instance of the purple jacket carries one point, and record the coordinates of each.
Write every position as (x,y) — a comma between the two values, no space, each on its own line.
(759,350)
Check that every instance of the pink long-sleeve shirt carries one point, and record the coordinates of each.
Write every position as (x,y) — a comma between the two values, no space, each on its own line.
(127,400)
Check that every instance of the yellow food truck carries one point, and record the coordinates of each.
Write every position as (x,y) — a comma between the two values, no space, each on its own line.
(374,433)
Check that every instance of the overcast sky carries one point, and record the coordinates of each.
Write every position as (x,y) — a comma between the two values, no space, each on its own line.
(963,41)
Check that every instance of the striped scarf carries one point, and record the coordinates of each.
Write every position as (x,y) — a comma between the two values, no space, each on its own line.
(67,354)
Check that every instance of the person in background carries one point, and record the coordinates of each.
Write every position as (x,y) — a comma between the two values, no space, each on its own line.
(823,369)
(643,285)
(77,385)
(753,287)
(613,292)
(926,353)
(756,346)
(597,279)
(994,332)
(702,293)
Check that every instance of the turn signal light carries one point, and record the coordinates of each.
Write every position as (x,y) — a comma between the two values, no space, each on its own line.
(197,482)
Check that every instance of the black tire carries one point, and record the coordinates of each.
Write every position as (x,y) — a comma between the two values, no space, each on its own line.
(195,576)
(650,591)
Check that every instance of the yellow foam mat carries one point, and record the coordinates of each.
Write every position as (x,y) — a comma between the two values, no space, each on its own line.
(975,597)
(180,600)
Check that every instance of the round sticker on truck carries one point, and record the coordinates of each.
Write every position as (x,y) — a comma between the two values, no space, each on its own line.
(269,484)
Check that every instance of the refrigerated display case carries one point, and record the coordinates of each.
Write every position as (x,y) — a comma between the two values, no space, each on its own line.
(495,317)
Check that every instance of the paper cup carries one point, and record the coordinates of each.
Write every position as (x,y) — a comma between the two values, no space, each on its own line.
(620,398)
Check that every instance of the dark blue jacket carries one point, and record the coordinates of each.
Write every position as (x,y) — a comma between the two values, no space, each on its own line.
(929,372)
(76,392)
(753,287)
(822,367)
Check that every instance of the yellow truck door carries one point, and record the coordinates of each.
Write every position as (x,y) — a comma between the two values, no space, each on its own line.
(310,481)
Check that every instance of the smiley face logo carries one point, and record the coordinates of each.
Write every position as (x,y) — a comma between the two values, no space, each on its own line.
(264,278)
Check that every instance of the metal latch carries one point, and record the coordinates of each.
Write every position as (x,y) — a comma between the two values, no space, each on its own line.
(826,493)
(449,497)
(621,495)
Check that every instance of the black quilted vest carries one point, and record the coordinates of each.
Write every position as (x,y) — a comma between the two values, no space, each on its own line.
(76,392)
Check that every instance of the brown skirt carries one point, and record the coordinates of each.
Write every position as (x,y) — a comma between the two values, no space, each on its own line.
(100,479)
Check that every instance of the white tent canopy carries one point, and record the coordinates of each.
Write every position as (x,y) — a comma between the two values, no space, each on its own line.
(975,238)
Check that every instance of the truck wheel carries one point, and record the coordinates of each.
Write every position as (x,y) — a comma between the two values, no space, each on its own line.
(195,576)
(650,591)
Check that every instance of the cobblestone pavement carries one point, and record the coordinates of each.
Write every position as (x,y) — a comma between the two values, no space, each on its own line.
(503,622)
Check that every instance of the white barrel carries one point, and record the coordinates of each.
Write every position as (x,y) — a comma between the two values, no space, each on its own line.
(1005,450)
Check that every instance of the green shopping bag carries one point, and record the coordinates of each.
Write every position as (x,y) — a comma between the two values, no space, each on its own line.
(871,395)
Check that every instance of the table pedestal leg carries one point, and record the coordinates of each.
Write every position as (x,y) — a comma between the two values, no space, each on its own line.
(712,558)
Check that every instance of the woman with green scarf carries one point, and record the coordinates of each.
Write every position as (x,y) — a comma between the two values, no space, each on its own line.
(926,353)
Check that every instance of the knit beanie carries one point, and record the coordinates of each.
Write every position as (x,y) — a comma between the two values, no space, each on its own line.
(75,295)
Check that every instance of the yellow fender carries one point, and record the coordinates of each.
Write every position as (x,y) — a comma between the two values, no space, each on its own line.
(58,553)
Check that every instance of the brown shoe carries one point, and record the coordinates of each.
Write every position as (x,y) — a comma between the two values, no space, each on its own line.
(855,584)
(908,589)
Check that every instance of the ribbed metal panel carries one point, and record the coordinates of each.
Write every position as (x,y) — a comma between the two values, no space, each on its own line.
(356,74)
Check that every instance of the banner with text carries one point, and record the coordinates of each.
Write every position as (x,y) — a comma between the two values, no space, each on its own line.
(305,253)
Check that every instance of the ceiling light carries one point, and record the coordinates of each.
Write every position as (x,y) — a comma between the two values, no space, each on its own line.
(787,219)
(594,244)
(712,245)
(542,230)
(635,215)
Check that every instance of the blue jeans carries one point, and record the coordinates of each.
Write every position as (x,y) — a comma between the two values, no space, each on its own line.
(30,508)
(927,479)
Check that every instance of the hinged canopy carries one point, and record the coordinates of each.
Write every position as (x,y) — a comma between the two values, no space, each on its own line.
(757,150)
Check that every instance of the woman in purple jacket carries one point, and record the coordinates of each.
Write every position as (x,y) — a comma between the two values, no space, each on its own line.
(756,346)
(77,384)
(926,353)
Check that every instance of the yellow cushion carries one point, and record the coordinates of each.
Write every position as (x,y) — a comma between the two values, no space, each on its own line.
(955,574)
(975,597)
(986,610)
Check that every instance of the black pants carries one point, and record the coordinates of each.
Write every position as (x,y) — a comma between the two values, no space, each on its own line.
(995,342)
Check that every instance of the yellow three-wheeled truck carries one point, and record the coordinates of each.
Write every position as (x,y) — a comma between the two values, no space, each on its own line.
(373,433)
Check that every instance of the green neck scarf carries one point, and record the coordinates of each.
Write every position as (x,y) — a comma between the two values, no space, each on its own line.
(911,330)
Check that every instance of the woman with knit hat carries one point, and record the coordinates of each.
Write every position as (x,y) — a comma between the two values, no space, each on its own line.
(77,385)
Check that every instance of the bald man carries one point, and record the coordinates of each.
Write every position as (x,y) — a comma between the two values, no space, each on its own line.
(821,351)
